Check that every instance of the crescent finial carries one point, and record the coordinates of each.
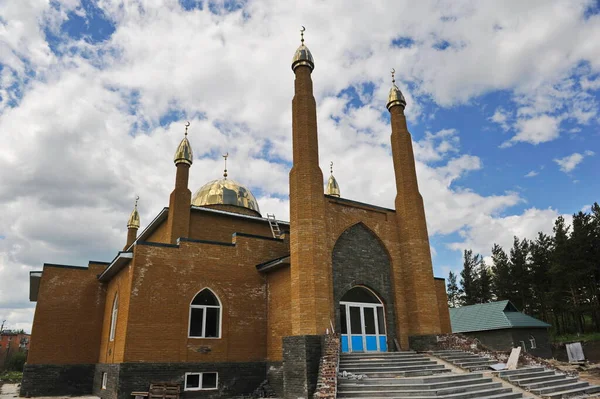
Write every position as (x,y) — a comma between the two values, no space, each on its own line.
(393,77)
(187,124)
(302,34)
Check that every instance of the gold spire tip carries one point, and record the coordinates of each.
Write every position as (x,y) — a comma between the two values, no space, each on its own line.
(187,124)
(302,35)
(225,158)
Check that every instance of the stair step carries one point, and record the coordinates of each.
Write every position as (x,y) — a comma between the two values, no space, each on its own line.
(546,384)
(363,385)
(528,376)
(484,393)
(527,370)
(540,380)
(592,389)
(427,392)
(557,388)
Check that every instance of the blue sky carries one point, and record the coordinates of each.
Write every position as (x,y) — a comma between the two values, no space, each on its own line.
(502,106)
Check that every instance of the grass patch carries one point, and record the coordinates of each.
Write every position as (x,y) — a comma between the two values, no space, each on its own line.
(565,338)
(11,377)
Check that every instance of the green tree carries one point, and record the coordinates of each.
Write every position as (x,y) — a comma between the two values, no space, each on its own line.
(484,286)
(453,291)
(541,281)
(469,279)
(519,273)
(502,283)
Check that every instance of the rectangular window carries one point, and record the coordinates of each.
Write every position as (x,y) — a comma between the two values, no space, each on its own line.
(212,323)
(343,319)
(355,322)
(104,379)
(196,320)
(201,381)
(381,320)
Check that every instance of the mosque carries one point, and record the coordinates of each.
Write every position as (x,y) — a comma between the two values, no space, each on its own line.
(216,297)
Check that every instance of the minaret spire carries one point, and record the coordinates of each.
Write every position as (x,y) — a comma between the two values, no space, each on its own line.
(410,217)
(310,291)
(178,223)
(333,188)
(225,158)
(133,224)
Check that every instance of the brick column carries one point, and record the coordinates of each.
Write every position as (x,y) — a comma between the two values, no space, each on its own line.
(178,222)
(301,358)
(310,274)
(421,297)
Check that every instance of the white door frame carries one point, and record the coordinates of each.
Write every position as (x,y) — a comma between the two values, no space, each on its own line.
(362,307)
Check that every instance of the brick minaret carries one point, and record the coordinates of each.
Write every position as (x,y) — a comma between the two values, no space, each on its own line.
(310,289)
(178,223)
(412,227)
(133,224)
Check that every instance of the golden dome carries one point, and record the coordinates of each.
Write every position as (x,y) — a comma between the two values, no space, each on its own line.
(303,55)
(333,188)
(134,218)
(184,153)
(225,192)
(395,97)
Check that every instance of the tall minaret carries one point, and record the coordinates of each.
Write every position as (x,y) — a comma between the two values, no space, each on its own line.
(412,227)
(133,224)
(178,223)
(309,274)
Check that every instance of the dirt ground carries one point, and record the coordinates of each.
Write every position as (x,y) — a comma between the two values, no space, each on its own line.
(11,391)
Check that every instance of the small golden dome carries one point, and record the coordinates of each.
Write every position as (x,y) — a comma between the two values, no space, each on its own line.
(395,97)
(303,55)
(134,218)
(184,153)
(333,188)
(225,192)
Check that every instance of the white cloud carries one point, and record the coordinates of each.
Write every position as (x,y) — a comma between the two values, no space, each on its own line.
(501,117)
(535,130)
(570,162)
(532,173)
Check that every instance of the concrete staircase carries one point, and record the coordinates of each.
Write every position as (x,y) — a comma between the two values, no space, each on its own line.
(412,375)
(548,383)
(465,360)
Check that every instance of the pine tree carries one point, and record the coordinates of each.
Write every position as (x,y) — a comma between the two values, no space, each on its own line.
(485,294)
(541,282)
(469,278)
(519,273)
(502,283)
(453,291)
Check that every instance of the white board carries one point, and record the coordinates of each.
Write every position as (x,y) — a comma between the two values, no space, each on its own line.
(513,359)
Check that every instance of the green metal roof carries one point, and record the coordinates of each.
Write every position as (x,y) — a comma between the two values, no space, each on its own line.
(491,316)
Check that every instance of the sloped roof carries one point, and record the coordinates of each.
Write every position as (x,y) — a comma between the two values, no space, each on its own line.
(491,316)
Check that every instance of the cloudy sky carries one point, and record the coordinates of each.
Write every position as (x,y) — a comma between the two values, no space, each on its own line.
(502,105)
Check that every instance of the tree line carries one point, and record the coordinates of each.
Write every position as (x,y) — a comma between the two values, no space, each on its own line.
(555,278)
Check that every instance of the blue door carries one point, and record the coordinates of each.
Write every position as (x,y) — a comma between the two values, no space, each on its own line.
(363,327)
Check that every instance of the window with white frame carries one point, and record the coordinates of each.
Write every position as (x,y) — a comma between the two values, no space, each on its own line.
(113,318)
(104,379)
(205,315)
(201,381)
(532,341)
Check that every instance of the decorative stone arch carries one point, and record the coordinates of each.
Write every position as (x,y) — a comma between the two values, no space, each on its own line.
(359,258)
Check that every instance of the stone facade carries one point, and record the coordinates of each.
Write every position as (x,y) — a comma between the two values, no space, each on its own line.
(130,319)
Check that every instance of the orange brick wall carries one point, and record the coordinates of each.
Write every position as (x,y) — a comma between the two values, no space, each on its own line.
(219,227)
(166,279)
(68,316)
(279,323)
(113,351)
(442,301)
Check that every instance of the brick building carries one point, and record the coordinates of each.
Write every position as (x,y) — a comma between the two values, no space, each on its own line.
(208,296)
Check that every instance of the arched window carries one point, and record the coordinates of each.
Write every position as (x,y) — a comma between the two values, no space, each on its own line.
(113,317)
(205,315)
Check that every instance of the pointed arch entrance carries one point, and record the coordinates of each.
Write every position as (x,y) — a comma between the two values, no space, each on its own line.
(362,319)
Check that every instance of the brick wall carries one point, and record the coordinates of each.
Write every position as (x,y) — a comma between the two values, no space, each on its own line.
(328,368)
(301,358)
(442,302)
(360,259)
(112,381)
(68,316)
(57,379)
(167,278)
(279,324)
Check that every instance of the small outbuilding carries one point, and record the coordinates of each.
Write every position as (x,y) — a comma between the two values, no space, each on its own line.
(500,326)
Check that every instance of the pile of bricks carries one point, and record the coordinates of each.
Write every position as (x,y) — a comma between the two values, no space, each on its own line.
(328,368)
